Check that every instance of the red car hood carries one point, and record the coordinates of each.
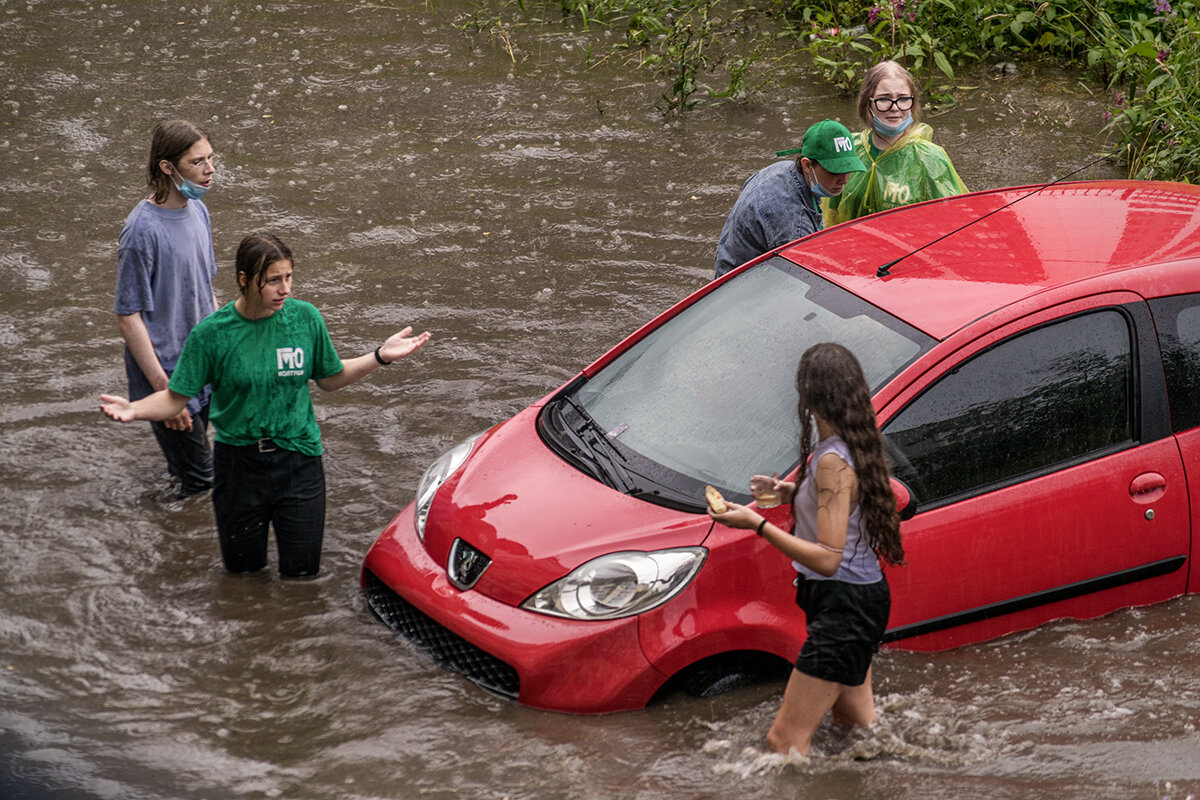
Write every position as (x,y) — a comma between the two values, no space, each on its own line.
(538,517)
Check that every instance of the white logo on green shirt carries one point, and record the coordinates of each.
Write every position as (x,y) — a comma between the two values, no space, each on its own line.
(289,361)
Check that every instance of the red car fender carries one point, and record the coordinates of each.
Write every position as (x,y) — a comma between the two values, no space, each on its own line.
(711,616)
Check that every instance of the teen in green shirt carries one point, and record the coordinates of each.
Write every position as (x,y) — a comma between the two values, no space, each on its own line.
(259,353)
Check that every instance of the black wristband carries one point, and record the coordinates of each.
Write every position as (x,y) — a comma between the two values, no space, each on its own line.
(759,530)
(379,358)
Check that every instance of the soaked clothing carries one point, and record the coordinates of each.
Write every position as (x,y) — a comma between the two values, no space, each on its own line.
(165,270)
(859,562)
(846,613)
(910,171)
(267,457)
(257,486)
(775,207)
(259,370)
(846,622)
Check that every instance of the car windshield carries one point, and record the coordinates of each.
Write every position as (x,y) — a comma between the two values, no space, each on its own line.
(710,397)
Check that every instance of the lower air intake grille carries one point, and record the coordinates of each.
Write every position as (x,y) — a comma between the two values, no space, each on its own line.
(447,648)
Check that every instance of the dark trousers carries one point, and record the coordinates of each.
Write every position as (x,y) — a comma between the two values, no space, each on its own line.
(188,453)
(265,485)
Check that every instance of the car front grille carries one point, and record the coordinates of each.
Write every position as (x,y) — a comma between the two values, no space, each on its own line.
(446,647)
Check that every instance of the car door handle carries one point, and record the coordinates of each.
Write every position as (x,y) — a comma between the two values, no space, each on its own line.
(1147,487)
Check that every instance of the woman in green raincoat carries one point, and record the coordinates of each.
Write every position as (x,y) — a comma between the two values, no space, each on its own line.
(903,164)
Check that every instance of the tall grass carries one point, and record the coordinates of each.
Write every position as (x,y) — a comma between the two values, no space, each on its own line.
(1144,54)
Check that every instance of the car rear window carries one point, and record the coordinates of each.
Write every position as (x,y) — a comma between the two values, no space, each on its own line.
(1177,320)
(710,395)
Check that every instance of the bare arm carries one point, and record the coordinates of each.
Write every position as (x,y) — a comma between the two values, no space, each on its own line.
(137,338)
(158,406)
(396,347)
(837,486)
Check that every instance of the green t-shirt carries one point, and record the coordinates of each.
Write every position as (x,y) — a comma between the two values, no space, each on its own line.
(259,371)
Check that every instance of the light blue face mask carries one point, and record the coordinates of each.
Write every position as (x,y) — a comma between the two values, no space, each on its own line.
(817,189)
(820,191)
(192,191)
(890,130)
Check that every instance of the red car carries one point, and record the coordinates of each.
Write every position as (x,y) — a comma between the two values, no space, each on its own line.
(1034,355)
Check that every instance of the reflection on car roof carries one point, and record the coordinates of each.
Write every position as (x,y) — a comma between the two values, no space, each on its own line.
(1062,234)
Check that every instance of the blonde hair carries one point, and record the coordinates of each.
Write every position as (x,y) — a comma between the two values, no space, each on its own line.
(886,69)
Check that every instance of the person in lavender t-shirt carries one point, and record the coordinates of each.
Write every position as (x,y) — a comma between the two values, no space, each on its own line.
(846,521)
(165,270)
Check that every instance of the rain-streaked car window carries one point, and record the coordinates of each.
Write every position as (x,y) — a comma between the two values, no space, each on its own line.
(1051,396)
(711,393)
(1178,323)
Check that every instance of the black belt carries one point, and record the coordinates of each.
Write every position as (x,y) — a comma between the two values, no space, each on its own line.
(264,445)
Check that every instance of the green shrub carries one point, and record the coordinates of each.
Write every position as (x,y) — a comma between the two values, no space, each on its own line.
(1145,53)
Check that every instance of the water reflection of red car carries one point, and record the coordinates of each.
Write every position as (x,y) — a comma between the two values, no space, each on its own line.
(1037,378)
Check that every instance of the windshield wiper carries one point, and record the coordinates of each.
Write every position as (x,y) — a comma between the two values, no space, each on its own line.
(602,453)
(576,436)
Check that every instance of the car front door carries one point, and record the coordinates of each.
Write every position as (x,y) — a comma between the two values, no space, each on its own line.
(1046,478)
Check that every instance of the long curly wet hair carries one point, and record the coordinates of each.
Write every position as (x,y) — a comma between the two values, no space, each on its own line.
(831,384)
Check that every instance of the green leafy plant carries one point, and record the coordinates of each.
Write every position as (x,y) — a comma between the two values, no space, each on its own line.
(1144,53)
(1154,73)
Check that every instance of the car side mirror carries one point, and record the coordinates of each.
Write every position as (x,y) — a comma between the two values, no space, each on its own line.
(906,504)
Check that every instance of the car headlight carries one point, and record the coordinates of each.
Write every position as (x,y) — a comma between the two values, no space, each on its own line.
(619,584)
(437,474)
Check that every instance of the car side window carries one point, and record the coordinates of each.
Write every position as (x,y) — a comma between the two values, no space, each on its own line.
(1178,322)
(1052,395)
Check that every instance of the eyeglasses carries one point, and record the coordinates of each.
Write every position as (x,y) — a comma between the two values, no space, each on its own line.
(213,161)
(888,103)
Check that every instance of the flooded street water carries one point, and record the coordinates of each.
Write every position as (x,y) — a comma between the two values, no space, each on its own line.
(530,213)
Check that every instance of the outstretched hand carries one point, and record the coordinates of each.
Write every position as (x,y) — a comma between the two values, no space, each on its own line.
(117,408)
(402,344)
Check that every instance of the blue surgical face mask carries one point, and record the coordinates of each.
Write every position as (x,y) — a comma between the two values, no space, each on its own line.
(820,191)
(817,189)
(192,191)
(890,130)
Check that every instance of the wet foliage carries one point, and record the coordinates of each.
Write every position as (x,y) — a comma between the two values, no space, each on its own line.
(1144,55)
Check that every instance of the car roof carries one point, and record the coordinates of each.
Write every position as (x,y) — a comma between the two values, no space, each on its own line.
(1013,243)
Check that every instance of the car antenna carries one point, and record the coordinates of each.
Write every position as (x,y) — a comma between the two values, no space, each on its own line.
(885,270)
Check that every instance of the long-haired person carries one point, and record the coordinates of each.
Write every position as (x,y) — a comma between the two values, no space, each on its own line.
(846,522)
(259,353)
(165,271)
(903,164)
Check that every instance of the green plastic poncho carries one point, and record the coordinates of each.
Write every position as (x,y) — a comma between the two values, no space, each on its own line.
(912,170)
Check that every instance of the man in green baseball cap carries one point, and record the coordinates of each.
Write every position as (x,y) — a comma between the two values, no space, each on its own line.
(779,203)
(831,145)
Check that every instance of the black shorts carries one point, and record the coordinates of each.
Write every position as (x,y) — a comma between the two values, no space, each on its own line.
(846,622)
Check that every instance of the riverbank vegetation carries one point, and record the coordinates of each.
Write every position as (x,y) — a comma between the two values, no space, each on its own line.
(1144,55)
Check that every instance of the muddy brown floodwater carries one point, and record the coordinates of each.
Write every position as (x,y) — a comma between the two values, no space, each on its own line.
(530,214)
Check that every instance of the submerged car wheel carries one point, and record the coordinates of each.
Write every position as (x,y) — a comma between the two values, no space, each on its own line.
(720,674)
